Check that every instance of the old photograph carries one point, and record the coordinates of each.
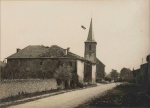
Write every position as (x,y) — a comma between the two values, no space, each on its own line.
(74,54)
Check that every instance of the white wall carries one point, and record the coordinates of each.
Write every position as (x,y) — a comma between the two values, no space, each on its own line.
(93,74)
(80,70)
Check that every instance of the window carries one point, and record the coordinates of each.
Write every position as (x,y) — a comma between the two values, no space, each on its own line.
(70,63)
(90,47)
(40,63)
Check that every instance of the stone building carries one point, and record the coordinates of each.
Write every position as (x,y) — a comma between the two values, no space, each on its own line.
(38,61)
(2,65)
(144,71)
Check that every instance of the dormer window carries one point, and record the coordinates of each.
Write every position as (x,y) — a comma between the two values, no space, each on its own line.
(90,47)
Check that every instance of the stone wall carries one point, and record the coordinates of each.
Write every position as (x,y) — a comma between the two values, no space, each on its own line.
(15,87)
(34,68)
(100,70)
(90,53)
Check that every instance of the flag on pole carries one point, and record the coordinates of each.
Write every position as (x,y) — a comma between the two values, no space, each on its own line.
(83,27)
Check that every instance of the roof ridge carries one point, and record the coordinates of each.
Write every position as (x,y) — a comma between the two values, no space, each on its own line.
(57,46)
(100,61)
(35,45)
(76,55)
(80,57)
(50,49)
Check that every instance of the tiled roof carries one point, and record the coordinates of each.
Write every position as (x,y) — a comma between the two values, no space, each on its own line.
(99,61)
(54,51)
(40,51)
(70,54)
(31,51)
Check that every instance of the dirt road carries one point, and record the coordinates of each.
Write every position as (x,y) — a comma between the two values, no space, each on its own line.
(67,100)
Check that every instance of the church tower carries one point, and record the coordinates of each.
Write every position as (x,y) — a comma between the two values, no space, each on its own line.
(90,46)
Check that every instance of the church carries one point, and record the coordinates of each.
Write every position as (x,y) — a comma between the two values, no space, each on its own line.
(38,61)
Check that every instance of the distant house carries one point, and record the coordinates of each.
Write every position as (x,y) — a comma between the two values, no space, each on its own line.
(2,64)
(38,61)
(144,71)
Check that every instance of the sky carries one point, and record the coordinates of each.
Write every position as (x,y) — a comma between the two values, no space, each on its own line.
(121,28)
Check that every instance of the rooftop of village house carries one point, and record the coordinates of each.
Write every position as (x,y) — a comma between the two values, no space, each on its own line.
(41,51)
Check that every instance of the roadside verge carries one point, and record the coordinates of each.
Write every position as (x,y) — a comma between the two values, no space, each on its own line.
(28,99)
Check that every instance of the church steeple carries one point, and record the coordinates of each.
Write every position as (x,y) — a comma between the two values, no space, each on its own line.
(90,45)
(90,34)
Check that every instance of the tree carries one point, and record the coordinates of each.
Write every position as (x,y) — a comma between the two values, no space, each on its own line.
(114,74)
(108,75)
(125,73)
(108,79)
(63,73)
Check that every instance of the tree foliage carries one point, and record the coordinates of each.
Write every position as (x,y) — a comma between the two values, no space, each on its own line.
(114,74)
(124,73)
(108,79)
(63,72)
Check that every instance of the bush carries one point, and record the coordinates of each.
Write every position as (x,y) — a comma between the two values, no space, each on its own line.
(63,73)
(133,80)
(108,79)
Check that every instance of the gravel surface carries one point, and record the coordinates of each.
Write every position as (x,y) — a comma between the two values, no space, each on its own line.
(69,99)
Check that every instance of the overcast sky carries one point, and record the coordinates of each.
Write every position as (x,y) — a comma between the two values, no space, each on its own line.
(121,28)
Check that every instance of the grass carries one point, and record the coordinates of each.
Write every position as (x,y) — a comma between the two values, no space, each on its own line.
(124,95)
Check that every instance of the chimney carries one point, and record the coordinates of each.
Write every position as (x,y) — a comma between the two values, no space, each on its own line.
(18,50)
(67,50)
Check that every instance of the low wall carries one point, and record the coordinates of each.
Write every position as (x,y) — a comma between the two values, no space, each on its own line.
(13,87)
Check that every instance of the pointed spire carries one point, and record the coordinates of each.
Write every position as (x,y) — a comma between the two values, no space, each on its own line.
(90,35)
